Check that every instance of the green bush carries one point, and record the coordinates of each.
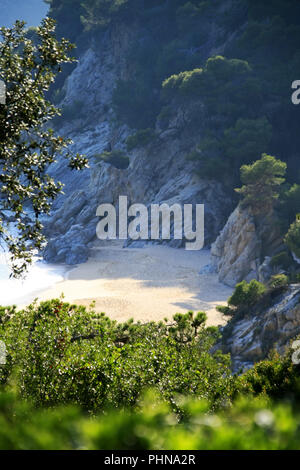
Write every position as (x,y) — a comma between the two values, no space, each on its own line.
(140,139)
(116,158)
(59,353)
(277,378)
(100,13)
(225,310)
(292,238)
(278,281)
(247,294)
(216,85)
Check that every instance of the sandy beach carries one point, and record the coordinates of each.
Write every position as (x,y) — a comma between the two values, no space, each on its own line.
(146,284)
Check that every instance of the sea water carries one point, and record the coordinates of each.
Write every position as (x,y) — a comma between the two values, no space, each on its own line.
(40,276)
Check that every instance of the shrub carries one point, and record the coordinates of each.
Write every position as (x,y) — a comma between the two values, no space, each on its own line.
(188,83)
(276,377)
(59,353)
(116,158)
(140,139)
(281,260)
(100,13)
(292,238)
(247,294)
(247,139)
(225,310)
(216,86)
(278,281)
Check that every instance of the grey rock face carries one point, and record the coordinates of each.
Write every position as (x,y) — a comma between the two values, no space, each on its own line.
(241,250)
(236,252)
(157,173)
(71,247)
(254,336)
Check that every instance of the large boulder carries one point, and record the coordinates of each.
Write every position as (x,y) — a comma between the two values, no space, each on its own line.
(71,248)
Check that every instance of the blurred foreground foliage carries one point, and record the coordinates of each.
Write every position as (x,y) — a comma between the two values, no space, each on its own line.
(249,424)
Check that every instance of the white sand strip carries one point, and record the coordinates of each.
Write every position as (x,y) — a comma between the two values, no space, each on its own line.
(145,284)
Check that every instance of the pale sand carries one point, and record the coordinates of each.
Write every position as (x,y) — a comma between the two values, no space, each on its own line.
(145,284)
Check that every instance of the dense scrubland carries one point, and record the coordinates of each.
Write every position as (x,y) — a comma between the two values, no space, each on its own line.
(76,379)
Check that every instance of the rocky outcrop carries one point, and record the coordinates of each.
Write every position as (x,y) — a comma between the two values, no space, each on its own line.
(251,338)
(236,252)
(241,251)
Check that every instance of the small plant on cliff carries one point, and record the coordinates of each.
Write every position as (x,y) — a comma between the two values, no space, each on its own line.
(261,183)
(116,158)
(292,238)
(278,281)
(246,294)
(140,139)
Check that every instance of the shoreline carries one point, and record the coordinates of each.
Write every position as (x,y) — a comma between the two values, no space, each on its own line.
(147,284)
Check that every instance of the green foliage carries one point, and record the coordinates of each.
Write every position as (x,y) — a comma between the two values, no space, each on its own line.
(241,87)
(277,378)
(189,15)
(247,139)
(225,310)
(72,111)
(292,238)
(27,145)
(278,281)
(59,353)
(226,86)
(63,360)
(246,294)
(261,183)
(173,58)
(100,13)
(254,424)
(134,104)
(116,158)
(140,139)
(237,145)
(290,203)
(282,260)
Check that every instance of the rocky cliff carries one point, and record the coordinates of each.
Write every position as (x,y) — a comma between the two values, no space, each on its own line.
(158,172)
(268,326)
